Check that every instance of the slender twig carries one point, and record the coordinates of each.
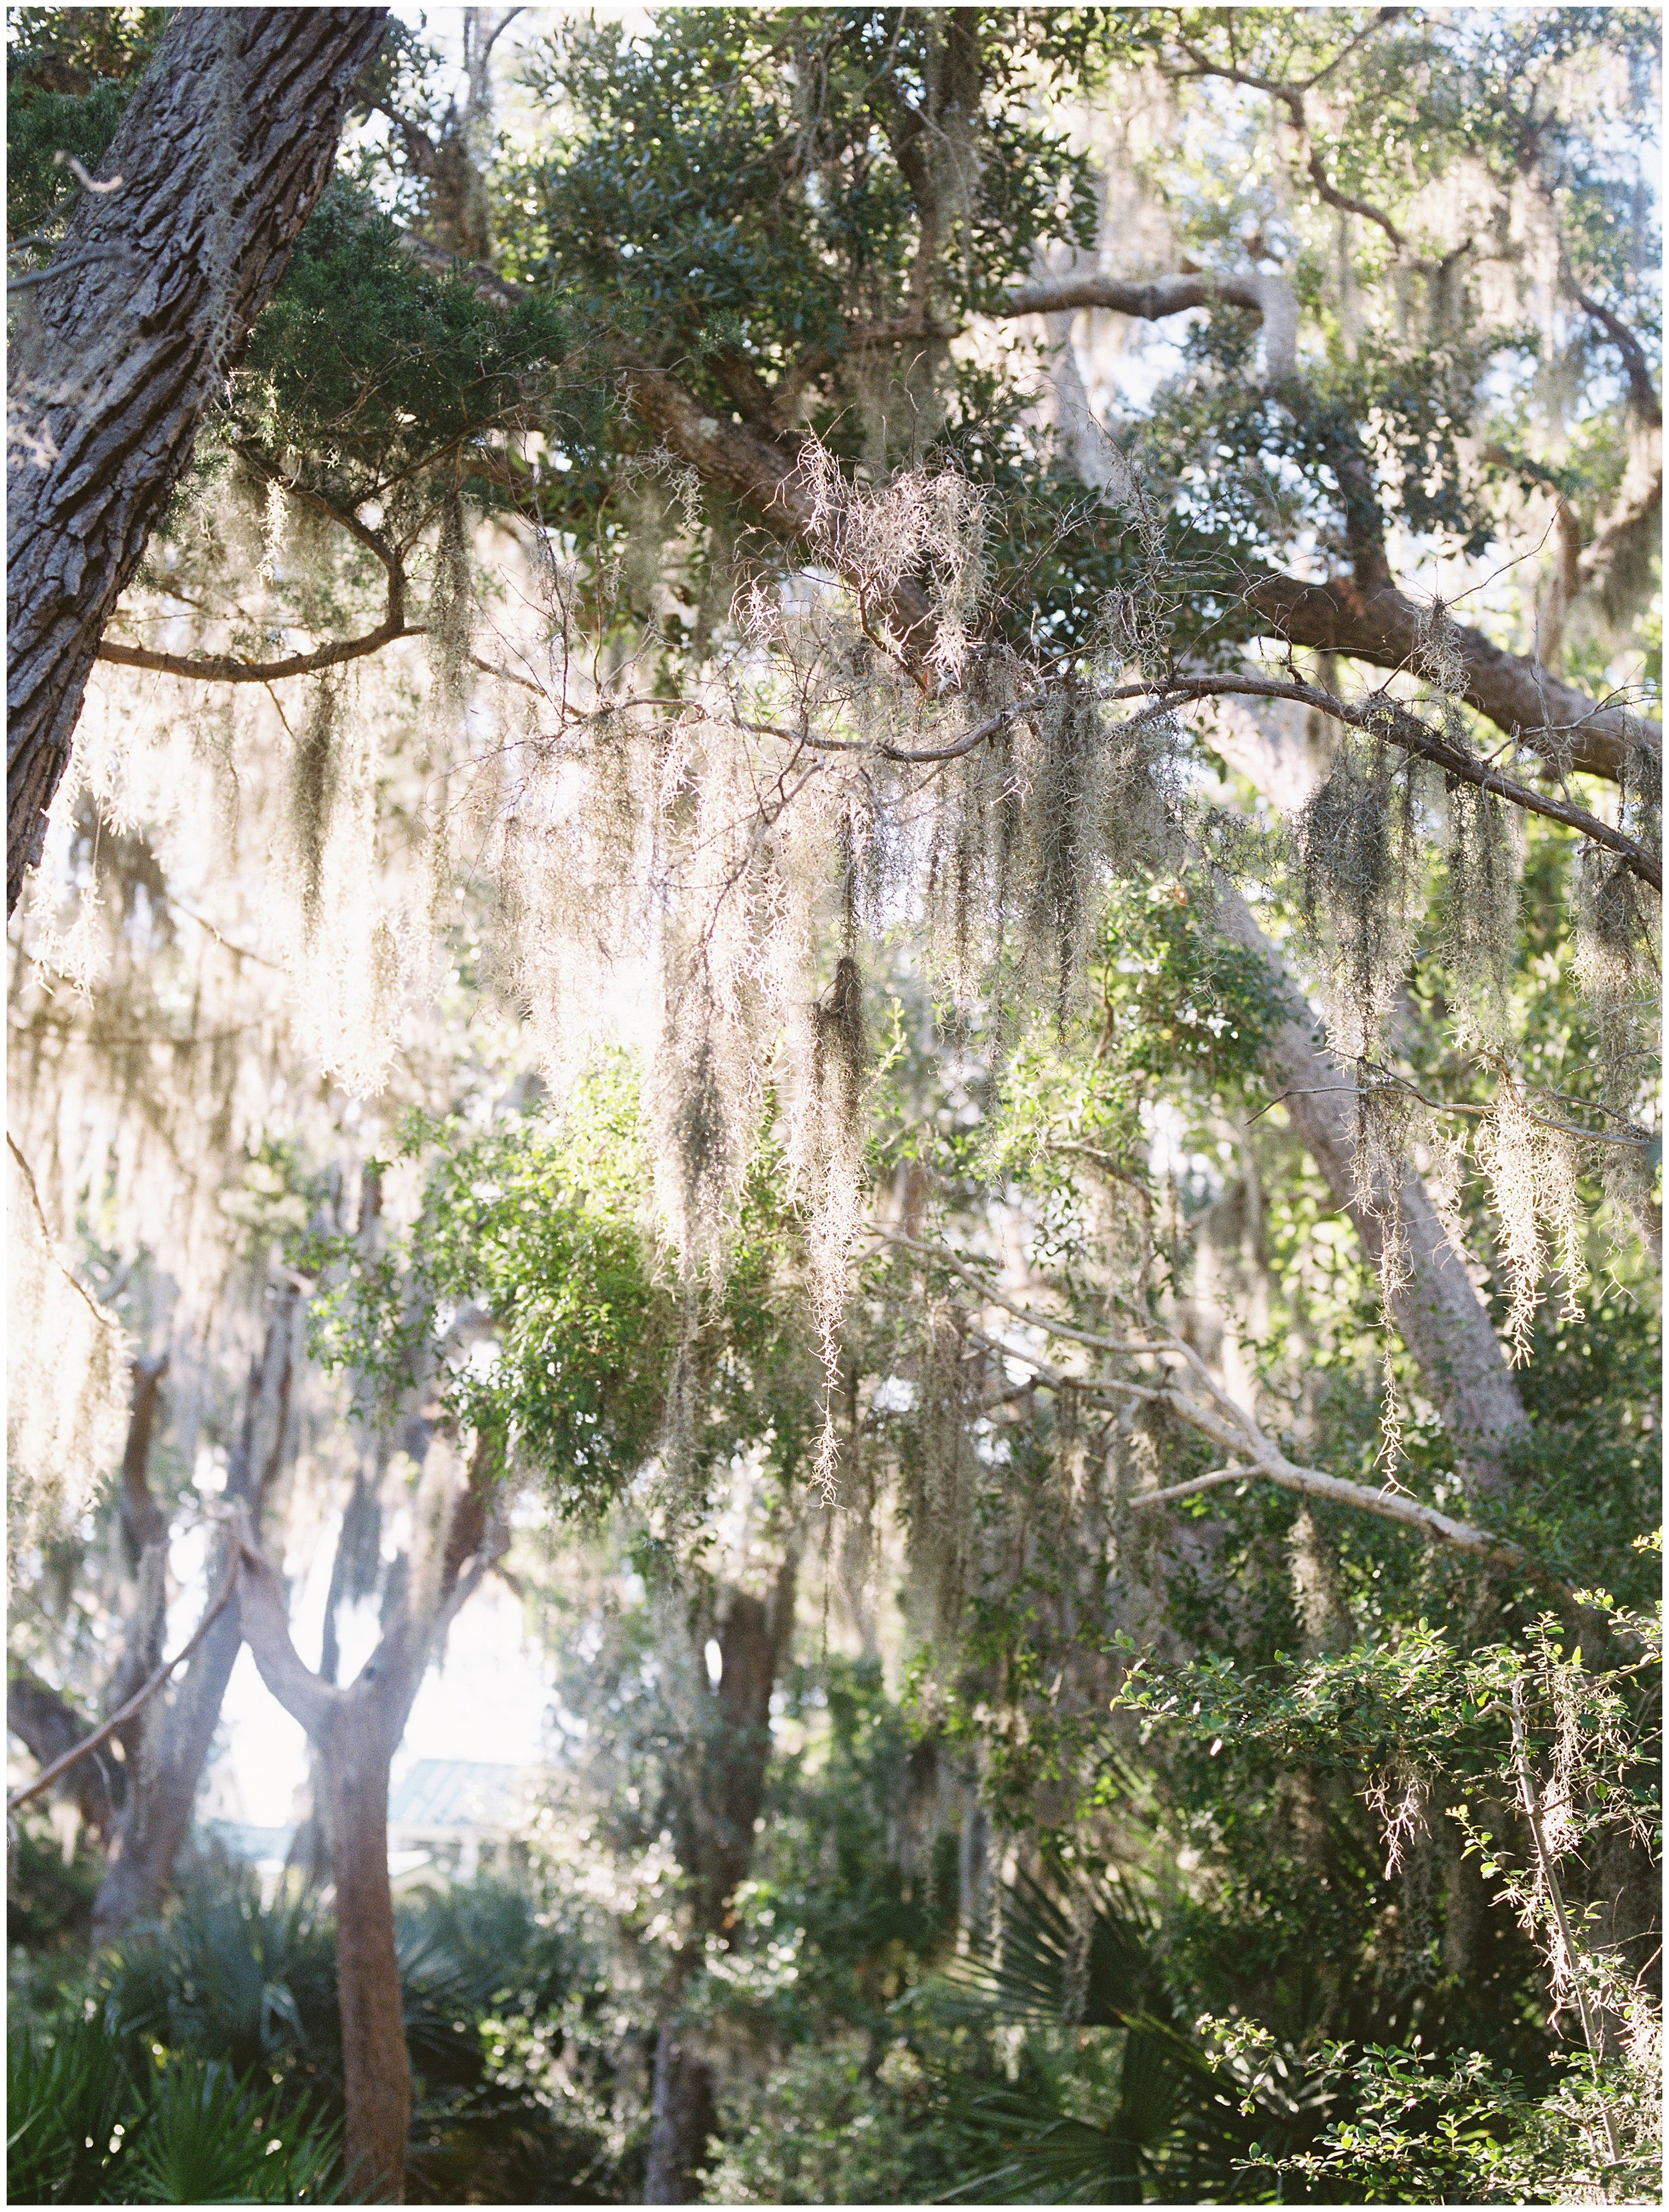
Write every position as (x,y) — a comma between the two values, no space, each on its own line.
(104,1319)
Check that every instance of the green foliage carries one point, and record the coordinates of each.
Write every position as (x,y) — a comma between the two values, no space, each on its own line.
(512,2069)
(735,174)
(49,1902)
(84,2128)
(542,1229)
(224,1976)
(70,75)
(835,1887)
(384,377)
(1129,2103)
(832,2127)
(1416,1699)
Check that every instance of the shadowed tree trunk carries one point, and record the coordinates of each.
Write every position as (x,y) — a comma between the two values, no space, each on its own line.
(226,147)
(716,1846)
(354,1732)
(169,1742)
(47,1725)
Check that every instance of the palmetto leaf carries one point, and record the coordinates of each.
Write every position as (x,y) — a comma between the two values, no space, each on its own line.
(1091,1957)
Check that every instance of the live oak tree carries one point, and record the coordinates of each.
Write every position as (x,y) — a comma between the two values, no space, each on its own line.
(806,614)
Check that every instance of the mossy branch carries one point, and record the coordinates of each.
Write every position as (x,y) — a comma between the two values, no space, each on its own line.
(1213,1414)
(224,668)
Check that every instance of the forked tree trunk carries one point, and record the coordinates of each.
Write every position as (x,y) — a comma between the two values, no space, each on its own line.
(226,147)
(354,1732)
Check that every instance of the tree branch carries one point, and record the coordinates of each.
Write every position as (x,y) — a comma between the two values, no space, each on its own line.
(1642,390)
(1378,626)
(1384,717)
(1151,299)
(1233,1428)
(1523,699)
(223,668)
(135,1704)
(47,1724)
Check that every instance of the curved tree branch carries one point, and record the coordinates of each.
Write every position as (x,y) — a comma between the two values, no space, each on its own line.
(1231,1427)
(1384,717)
(224,668)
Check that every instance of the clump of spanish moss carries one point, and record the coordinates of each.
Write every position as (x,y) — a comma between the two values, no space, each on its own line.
(938,1472)
(826,1154)
(315,777)
(1617,967)
(1441,657)
(1359,853)
(451,609)
(351,945)
(1533,1171)
(1480,915)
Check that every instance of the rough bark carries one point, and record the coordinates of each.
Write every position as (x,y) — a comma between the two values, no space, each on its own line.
(1438,1313)
(165,1761)
(353,1731)
(714,1840)
(226,147)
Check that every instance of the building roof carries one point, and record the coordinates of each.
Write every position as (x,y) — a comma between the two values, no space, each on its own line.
(457,1793)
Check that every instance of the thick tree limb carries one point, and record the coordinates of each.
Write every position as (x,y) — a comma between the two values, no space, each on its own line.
(1437,1312)
(1521,697)
(223,152)
(144,1522)
(1151,299)
(1375,622)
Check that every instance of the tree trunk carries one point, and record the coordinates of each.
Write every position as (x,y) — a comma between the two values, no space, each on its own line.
(716,1845)
(683,2119)
(354,1733)
(165,1763)
(354,1747)
(226,147)
(47,1725)
(1437,1313)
